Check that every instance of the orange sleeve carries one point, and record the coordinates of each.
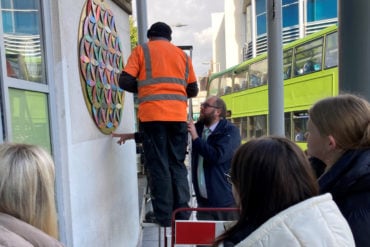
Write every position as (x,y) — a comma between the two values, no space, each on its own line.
(134,62)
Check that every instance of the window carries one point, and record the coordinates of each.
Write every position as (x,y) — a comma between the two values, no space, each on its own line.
(258,74)
(241,79)
(226,84)
(290,13)
(30,117)
(308,57)
(25,112)
(321,9)
(214,86)
(300,126)
(331,50)
(257,126)
(244,129)
(287,125)
(287,66)
(22,40)
(261,17)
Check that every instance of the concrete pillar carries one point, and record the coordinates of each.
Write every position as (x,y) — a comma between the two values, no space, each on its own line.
(354,47)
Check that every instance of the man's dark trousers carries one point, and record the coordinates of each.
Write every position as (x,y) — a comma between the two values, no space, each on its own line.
(165,150)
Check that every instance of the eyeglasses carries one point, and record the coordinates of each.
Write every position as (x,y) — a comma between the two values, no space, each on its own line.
(206,105)
(228,177)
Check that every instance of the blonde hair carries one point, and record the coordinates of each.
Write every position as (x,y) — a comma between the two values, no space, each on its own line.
(346,117)
(27,186)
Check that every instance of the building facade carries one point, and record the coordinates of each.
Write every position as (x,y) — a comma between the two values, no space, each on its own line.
(242,28)
(59,63)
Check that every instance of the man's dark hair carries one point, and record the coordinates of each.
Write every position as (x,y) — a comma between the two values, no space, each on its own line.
(160,29)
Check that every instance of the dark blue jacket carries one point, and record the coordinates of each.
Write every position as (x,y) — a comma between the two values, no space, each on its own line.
(349,182)
(217,153)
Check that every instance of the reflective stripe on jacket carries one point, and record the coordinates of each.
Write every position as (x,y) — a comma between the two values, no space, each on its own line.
(163,71)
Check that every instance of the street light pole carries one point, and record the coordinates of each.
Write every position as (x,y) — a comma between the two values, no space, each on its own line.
(142,22)
(275,66)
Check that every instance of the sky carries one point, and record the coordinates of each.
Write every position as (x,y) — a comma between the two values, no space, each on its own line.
(196,16)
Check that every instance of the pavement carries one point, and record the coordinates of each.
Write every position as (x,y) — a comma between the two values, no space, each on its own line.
(151,235)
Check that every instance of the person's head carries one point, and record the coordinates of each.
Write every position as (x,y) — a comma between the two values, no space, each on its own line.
(337,124)
(212,110)
(159,29)
(27,185)
(268,175)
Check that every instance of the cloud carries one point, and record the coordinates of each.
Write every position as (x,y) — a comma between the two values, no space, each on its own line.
(204,36)
(196,15)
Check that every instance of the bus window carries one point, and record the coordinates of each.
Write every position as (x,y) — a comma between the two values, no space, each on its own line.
(236,122)
(214,87)
(300,126)
(287,60)
(257,126)
(308,57)
(239,80)
(244,128)
(226,84)
(288,124)
(244,83)
(331,52)
(258,74)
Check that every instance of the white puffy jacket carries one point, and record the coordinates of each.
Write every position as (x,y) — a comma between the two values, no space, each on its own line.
(314,222)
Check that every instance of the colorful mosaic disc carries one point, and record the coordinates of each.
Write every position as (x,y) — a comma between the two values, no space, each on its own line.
(101,62)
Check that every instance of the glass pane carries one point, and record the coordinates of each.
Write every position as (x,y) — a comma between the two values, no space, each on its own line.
(22,40)
(308,57)
(290,15)
(226,84)
(258,126)
(237,122)
(214,87)
(258,74)
(321,10)
(331,52)
(21,4)
(30,117)
(244,129)
(284,2)
(5,4)
(287,60)
(287,124)
(300,125)
(261,24)
(240,81)
(260,6)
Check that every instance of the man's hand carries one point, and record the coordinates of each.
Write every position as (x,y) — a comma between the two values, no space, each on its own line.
(123,137)
(192,130)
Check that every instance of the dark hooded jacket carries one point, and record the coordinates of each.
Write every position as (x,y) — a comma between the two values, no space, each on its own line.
(348,181)
(217,153)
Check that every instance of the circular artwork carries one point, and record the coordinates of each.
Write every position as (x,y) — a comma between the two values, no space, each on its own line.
(101,62)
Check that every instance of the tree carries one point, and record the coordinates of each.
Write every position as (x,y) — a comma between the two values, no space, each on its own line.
(133,33)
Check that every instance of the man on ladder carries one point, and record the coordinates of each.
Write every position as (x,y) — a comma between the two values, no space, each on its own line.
(163,76)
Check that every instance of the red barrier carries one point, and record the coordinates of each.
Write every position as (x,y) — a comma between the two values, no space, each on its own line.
(197,232)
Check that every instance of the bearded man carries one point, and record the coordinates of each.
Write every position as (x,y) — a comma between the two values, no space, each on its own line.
(214,142)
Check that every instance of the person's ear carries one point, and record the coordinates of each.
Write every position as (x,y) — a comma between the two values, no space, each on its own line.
(332,142)
(219,111)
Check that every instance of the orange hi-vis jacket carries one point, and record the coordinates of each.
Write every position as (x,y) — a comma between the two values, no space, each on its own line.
(163,71)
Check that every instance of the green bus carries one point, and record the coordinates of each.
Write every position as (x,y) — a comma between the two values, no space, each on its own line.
(310,72)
